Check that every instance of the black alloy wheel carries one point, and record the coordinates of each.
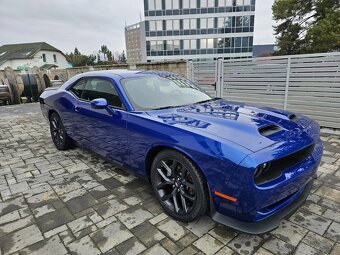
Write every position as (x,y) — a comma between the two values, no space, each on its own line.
(179,186)
(58,133)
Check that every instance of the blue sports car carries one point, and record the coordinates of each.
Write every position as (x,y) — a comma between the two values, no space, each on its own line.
(248,167)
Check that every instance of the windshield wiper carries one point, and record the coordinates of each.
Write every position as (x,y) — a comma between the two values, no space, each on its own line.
(209,100)
(167,107)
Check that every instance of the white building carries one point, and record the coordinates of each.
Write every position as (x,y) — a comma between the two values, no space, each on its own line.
(198,29)
(27,55)
(135,43)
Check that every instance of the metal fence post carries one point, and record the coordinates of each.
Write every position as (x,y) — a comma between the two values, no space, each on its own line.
(219,78)
(287,84)
(190,70)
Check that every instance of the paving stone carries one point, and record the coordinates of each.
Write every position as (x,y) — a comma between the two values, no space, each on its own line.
(290,232)
(42,199)
(201,226)
(52,246)
(226,251)
(333,232)
(79,224)
(190,250)
(20,239)
(158,218)
(262,251)
(304,249)
(110,208)
(187,240)
(208,244)
(278,246)
(85,231)
(83,246)
(245,244)
(170,246)
(11,205)
(336,249)
(311,221)
(327,192)
(133,216)
(19,187)
(55,231)
(105,222)
(131,247)
(111,183)
(148,234)
(15,225)
(12,216)
(95,217)
(100,191)
(156,250)
(172,229)
(222,233)
(132,200)
(78,204)
(110,236)
(66,236)
(43,210)
(318,242)
(54,219)
(333,215)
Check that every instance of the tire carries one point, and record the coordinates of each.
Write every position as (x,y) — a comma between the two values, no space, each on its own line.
(174,177)
(58,134)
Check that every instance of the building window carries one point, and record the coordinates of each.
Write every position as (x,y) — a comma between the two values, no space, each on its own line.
(242,2)
(189,24)
(207,23)
(55,58)
(225,3)
(155,5)
(189,4)
(207,43)
(172,24)
(44,57)
(156,25)
(242,21)
(207,3)
(171,4)
(225,22)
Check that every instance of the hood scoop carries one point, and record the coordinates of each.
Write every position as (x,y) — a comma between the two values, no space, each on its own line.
(269,130)
(293,118)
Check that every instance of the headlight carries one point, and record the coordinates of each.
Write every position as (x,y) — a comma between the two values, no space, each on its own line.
(260,169)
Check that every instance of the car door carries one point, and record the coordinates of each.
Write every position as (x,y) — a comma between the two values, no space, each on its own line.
(101,130)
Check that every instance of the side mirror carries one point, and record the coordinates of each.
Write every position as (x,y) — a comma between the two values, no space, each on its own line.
(99,103)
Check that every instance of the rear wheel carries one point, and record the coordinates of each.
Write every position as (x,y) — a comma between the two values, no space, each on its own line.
(179,186)
(60,139)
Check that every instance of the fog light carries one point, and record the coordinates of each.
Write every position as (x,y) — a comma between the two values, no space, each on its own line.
(258,171)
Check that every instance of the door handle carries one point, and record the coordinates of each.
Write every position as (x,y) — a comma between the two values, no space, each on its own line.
(77,109)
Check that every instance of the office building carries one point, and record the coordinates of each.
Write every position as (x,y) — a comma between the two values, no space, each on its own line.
(135,43)
(198,29)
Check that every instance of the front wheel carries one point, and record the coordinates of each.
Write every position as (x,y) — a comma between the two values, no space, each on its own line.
(60,139)
(179,186)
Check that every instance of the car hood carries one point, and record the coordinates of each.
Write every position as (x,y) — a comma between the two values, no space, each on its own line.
(251,127)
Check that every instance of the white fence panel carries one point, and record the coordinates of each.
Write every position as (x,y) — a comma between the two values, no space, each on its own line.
(307,84)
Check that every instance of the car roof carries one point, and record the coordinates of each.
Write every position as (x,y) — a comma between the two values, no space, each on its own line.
(123,73)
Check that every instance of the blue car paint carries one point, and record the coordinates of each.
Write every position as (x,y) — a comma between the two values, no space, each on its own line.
(221,137)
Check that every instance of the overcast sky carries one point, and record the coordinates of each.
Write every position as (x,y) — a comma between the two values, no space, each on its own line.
(88,24)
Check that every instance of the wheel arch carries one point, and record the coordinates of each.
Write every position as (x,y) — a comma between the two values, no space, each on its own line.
(152,153)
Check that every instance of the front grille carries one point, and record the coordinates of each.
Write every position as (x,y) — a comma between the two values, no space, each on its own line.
(278,166)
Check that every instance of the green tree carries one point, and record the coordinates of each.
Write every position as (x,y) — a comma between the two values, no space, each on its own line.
(104,49)
(78,59)
(307,26)
(122,57)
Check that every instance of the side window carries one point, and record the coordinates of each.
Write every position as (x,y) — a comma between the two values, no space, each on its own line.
(78,88)
(101,88)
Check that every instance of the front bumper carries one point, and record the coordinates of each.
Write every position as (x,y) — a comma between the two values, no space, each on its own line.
(267,224)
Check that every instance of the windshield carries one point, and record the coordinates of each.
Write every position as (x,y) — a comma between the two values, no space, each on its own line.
(157,92)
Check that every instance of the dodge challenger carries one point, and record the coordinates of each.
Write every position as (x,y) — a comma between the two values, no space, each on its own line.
(248,167)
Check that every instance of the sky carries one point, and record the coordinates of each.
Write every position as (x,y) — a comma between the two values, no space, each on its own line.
(88,24)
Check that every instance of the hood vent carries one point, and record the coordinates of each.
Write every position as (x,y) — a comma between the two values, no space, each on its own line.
(269,130)
(293,118)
